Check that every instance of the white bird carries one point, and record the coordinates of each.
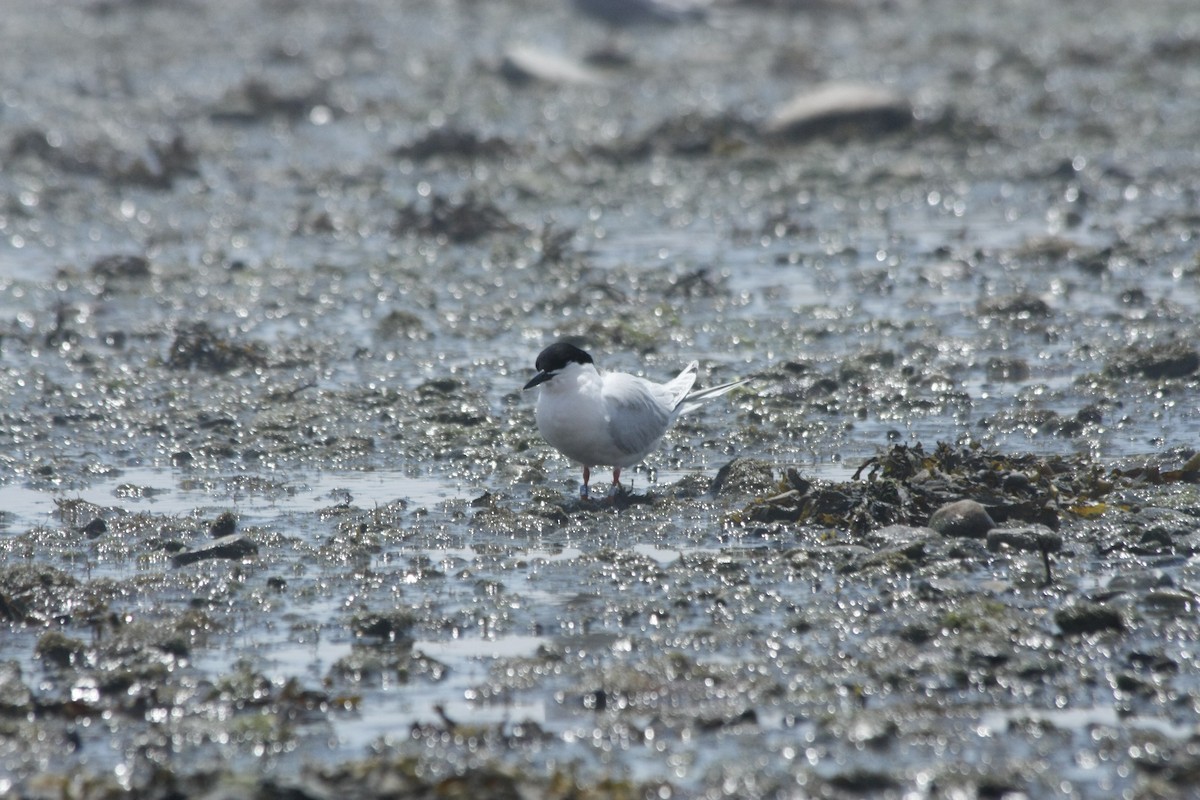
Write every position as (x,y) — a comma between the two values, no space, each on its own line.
(608,418)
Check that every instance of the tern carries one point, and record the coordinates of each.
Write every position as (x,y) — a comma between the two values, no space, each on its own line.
(609,418)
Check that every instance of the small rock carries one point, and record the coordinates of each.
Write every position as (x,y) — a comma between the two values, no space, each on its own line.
(840,107)
(223,526)
(1017,483)
(97,527)
(1084,618)
(963,518)
(234,546)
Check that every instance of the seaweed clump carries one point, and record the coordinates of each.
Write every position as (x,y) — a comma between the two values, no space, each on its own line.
(906,485)
(462,221)
(198,346)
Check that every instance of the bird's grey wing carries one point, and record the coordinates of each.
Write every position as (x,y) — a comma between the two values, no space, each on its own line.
(637,418)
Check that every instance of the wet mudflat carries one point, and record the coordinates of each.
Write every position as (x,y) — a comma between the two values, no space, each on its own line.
(275,520)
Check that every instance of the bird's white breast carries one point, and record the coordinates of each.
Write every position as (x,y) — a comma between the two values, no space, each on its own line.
(575,417)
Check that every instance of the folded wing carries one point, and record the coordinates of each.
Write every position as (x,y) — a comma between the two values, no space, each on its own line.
(637,418)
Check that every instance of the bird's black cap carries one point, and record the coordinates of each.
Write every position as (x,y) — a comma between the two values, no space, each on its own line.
(554,358)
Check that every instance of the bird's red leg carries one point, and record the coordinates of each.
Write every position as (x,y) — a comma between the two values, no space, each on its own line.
(587,477)
(616,476)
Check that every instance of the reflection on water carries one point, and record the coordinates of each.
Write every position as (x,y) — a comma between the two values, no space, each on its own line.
(167,491)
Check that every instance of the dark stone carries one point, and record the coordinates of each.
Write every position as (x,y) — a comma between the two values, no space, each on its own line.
(97,527)
(1017,483)
(963,518)
(223,525)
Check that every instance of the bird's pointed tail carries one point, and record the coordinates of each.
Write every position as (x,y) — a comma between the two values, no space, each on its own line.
(694,400)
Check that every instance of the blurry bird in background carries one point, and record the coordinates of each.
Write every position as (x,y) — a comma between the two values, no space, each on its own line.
(619,14)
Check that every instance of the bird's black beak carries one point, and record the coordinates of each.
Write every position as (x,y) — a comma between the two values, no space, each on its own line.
(541,377)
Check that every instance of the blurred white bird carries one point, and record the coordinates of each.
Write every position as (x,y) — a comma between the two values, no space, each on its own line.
(608,418)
